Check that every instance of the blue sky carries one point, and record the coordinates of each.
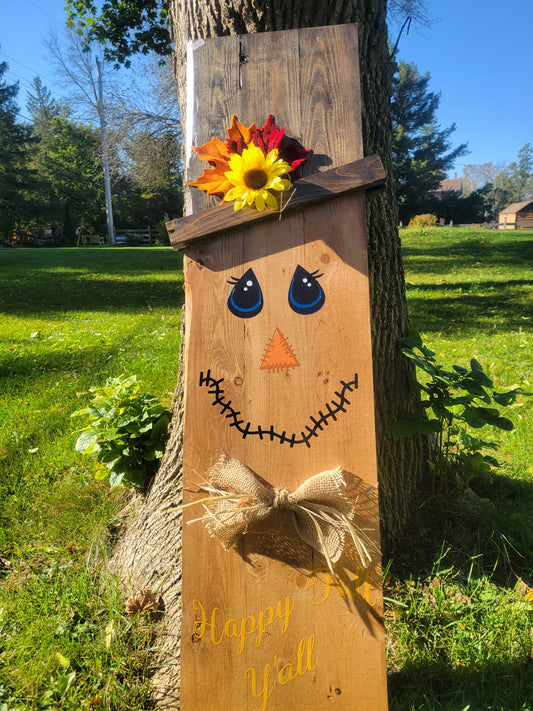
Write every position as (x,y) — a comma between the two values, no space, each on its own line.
(478,53)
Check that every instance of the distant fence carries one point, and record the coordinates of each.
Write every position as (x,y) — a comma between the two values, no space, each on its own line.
(130,236)
(136,236)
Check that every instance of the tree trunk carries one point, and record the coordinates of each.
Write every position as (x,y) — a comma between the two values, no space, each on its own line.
(148,555)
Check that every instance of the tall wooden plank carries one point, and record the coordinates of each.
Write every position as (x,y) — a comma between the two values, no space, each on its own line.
(265,624)
(212,96)
(338,623)
(330,103)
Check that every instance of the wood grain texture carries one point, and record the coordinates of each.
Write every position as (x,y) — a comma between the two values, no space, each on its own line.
(308,78)
(324,641)
(225,590)
(362,174)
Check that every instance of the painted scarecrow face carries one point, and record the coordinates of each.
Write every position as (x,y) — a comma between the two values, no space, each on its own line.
(284,365)
(304,297)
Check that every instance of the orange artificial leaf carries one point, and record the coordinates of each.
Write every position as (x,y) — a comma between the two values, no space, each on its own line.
(214,150)
(237,132)
(213,180)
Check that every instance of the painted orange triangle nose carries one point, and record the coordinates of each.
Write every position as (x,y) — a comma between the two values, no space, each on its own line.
(278,355)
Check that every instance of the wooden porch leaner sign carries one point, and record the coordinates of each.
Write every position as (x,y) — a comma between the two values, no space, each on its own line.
(278,389)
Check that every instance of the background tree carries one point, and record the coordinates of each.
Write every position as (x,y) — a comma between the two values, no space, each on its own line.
(15,177)
(66,160)
(516,183)
(148,190)
(502,185)
(142,136)
(152,534)
(146,142)
(421,150)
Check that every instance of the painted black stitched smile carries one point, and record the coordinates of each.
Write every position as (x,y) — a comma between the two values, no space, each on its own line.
(318,423)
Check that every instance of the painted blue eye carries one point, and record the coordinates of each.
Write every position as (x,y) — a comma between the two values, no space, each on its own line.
(306,296)
(245,299)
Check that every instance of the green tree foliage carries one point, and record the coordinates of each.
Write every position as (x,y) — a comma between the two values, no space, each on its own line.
(126,28)
(15,178)
(502,186)
(67,161)
(151,187)
(516,183)
(422,150)
(142,129)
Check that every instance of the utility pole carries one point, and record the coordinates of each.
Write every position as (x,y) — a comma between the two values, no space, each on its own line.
(107,179)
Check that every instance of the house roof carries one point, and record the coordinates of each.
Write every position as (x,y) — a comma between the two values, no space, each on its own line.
(516,207)
(450,184)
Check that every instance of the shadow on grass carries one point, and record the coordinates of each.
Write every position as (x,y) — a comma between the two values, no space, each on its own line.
(491,524)
(504,308)
(485,533)
(438,259)
(479,304)
(41,282)
(435,686)
(32,365)
(40,294)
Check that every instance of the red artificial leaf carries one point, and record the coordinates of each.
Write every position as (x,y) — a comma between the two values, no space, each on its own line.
(294,155)
(271,136)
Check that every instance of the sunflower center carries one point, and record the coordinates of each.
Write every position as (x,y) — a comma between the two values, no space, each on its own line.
(255,179)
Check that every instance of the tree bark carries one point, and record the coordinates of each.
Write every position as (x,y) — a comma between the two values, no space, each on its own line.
(148,555)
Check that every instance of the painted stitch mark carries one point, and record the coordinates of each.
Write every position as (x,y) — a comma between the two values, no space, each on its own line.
(312,430)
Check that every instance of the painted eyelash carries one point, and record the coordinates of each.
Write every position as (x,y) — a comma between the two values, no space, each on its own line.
(315,274)
(233,280)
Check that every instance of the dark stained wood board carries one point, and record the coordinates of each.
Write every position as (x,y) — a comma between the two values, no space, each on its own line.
(365,173)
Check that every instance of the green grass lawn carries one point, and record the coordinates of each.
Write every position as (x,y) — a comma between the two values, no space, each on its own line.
(459,606)
(71,318)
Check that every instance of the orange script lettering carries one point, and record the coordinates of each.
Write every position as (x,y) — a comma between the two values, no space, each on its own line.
(360,587)
(243,628)
(282,672)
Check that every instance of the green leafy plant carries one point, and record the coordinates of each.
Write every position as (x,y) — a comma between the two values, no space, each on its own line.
(456,404)
(127,431)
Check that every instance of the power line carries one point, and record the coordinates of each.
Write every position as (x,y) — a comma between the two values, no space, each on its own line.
(25,65)
(29,85)
(43,12)
(24,117)
(20,77)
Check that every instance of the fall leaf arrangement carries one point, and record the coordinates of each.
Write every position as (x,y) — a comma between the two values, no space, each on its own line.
(251,166)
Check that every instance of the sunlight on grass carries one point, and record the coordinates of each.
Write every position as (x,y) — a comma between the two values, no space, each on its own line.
(71,319)
(459,628)
(459,598)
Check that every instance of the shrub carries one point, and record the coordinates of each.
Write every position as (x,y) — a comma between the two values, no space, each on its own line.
(127,431)
(457,404)
(422,221)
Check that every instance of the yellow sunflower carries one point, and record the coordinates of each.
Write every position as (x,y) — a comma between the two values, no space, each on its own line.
(253,175)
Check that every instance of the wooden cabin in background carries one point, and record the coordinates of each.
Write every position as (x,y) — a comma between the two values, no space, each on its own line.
(518,216)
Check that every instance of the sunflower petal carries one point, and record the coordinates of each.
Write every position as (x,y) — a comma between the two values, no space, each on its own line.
(271,200)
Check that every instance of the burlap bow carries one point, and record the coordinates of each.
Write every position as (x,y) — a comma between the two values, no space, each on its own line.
(321,512)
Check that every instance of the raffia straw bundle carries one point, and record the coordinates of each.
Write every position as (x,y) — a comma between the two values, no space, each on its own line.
(321,512)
